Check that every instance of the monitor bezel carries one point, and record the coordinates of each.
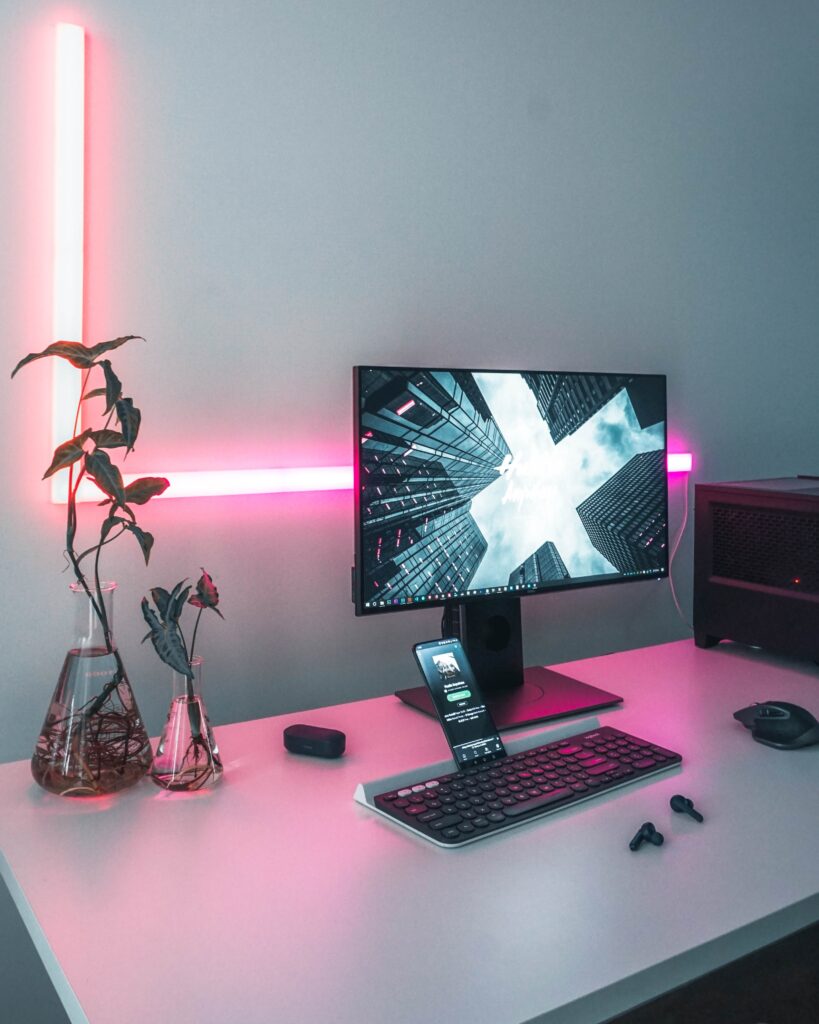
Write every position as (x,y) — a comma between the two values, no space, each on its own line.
(553,588)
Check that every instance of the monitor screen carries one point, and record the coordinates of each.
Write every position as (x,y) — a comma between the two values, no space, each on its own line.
(476,483)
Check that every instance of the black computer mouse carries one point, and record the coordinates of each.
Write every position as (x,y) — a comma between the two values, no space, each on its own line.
(776,723)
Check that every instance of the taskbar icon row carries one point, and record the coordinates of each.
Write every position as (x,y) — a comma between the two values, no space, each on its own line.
(442,595)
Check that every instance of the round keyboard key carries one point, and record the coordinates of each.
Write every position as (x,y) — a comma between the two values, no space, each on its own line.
(480,822)
(451,833)
(419,788)
(401,802)
(416,808)
(496,816)
(433,784)
(466,827)
(404,792)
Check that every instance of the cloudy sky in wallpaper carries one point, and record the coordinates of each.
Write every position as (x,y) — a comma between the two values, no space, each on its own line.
(535,498)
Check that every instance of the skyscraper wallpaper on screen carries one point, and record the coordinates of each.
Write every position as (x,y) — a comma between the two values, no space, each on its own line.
(499,482)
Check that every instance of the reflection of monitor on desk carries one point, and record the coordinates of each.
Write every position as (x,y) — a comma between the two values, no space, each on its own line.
(476,488)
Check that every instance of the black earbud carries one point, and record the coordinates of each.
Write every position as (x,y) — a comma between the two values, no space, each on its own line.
(683,805)
(647,834)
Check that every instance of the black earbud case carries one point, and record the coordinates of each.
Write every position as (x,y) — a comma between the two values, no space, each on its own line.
(312,740)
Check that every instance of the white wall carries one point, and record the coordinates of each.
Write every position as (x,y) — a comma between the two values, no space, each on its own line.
(279,190)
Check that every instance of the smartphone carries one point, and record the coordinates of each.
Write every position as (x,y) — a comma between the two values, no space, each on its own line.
(466,720)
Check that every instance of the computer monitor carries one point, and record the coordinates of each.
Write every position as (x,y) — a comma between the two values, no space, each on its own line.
(475,488)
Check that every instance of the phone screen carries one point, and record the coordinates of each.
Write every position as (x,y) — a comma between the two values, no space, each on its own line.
(465,718)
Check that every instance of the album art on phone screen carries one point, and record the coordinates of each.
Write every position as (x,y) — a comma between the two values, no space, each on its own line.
(446,664)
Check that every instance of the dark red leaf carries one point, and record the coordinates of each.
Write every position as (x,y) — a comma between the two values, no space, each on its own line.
(140,491)
(74,351)
(67,454)
(206,596)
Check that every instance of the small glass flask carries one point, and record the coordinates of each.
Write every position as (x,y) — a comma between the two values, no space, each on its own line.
(187,757)
(93,741)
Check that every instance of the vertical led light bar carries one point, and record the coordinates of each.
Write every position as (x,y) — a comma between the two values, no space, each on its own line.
(680,462)
(69,219)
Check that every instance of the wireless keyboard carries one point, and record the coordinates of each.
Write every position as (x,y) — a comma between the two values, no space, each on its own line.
(464,806)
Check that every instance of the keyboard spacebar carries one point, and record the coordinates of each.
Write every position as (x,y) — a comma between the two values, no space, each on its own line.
(536,802)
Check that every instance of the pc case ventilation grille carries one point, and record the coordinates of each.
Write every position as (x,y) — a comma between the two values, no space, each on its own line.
(774,548)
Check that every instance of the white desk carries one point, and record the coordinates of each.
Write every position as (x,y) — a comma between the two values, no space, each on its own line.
(238,906)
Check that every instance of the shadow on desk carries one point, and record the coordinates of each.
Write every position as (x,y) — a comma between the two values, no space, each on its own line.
(778,984)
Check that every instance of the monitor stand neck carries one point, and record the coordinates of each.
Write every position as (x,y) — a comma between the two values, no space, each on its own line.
(490,631)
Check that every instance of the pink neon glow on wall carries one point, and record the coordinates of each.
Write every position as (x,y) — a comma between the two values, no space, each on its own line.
(69,235)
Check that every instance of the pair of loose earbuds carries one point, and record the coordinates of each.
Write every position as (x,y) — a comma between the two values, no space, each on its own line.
(649,834)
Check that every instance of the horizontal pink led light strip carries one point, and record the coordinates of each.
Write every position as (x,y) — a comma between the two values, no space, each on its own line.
(277,481)
(207,483)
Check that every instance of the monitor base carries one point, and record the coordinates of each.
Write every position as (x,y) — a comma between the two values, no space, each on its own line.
(545,694)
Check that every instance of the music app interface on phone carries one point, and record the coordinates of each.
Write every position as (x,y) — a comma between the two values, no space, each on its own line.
(465,718)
